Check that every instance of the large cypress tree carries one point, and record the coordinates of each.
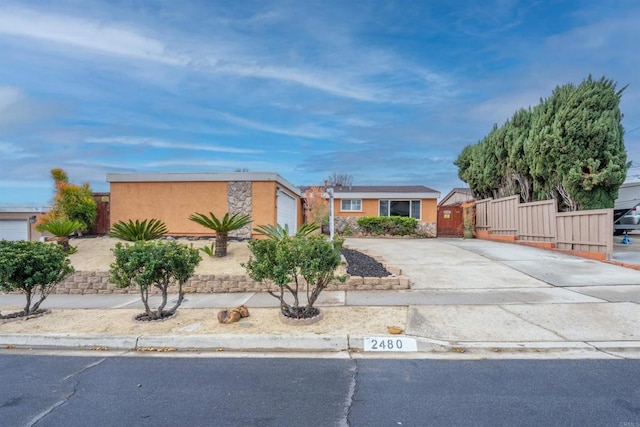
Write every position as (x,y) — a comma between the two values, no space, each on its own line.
(569,147)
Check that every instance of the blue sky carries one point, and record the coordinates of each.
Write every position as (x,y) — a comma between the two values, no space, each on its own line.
(387,91)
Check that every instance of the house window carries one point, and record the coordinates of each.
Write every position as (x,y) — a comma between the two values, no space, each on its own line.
(410,208)
(351,205)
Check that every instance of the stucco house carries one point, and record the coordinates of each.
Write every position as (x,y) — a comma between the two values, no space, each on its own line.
(18,222)
(415,201)
(173,197)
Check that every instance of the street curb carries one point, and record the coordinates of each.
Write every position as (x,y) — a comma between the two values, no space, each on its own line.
(296,343)
(77,341)
(247,342)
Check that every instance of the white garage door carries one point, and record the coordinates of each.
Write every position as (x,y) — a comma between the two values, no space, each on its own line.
(287,212)
(14,229)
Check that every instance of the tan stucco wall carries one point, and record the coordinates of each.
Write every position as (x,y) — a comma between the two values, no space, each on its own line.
(370,208)
(263,195)
(170,202)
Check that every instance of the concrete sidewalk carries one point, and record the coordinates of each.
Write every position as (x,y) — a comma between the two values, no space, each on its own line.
(476,297)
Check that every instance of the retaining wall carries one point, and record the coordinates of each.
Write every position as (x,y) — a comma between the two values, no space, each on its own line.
(97,282)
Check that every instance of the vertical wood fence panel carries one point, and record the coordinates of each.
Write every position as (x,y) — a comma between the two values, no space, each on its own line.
(537,221)
(587,231)
(504,216)
(482,215)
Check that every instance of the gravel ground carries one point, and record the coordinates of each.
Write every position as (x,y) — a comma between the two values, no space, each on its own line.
(359,264)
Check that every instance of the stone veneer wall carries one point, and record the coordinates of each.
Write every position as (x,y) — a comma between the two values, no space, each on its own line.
(97,282)
(239,201)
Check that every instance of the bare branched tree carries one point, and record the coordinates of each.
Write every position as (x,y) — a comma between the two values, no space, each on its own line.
(336,178)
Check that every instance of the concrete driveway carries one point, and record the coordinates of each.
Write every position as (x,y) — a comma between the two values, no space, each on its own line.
(467,291)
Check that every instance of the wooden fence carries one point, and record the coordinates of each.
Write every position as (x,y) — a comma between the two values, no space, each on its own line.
(536,221)
(539,222)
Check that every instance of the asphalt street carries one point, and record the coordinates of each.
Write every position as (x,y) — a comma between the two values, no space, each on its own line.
(40,390)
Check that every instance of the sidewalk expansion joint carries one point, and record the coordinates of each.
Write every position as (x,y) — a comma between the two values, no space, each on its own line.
(534,324)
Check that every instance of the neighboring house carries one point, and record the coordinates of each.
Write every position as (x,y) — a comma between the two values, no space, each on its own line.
(415,201)
(457,196)
(450,216)
(18,222)
(173,197)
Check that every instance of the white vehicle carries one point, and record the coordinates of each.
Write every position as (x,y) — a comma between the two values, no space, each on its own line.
(626,212)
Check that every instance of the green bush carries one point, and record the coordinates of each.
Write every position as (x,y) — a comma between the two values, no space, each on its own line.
(32,267)
(393,225)
(154,264)
(291,262)
(138,230)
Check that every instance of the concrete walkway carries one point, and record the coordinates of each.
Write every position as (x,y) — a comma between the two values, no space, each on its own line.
(473,296)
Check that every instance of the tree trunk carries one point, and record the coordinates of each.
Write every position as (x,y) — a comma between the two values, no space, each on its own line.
(28,306)
(221,244)
(64,242)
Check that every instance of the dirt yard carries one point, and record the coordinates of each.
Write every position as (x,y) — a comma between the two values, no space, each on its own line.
(94,254)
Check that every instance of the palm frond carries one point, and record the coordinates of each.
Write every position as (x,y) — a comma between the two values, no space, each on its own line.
(226,224)
(138,230)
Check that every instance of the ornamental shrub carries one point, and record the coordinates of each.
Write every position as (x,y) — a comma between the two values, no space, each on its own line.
(392,225)
(32,267)
(139,230)
(154,264)
(70,202)
(293,263)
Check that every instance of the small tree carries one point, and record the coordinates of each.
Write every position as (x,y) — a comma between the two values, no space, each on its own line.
(317,208)
(72,202)
(32,267)
(339,179)
(154,264)
(222,227)
(292,262)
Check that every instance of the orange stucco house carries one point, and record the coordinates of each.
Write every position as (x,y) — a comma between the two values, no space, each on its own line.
(173,197)
(416,201)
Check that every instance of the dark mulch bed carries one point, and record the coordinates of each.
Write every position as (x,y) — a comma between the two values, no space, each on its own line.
(359,264)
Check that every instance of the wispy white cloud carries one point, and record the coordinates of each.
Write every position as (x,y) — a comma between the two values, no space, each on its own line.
(83,33)
(17,109)
(309,131)
(14,151)
(352,76)
(158,143)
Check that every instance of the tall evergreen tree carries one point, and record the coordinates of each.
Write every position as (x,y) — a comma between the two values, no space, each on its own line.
(569,147)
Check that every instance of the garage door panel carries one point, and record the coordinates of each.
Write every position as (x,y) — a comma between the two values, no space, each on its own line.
(287,212)
(14,229)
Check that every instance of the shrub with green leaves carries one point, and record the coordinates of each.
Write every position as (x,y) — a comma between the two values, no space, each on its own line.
(154,264)
(32,268)
(392,225)
(139,230)
(294,262)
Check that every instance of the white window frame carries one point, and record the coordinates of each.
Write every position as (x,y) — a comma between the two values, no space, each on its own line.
(350,207)
(412,204)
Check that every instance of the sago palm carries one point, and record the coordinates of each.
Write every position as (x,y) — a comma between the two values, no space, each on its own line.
(62,229)
(222,227)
